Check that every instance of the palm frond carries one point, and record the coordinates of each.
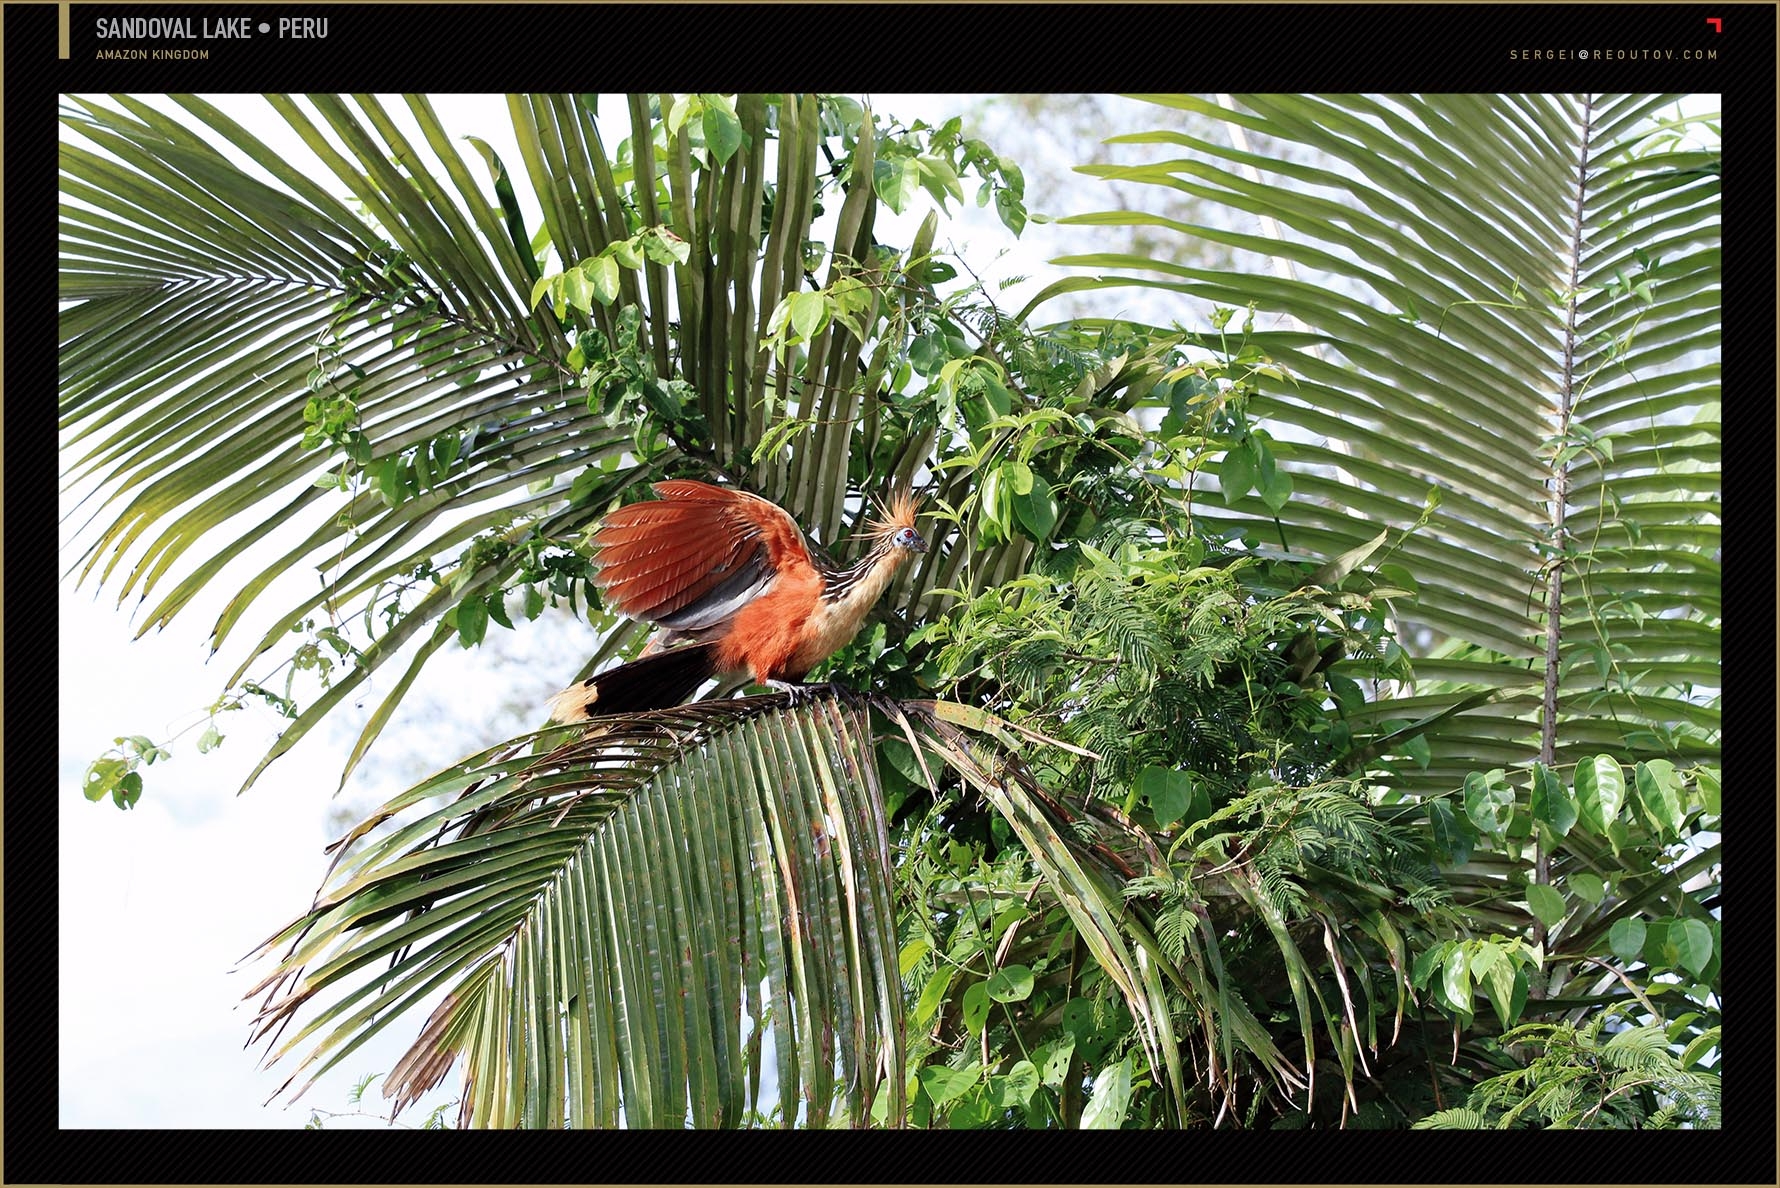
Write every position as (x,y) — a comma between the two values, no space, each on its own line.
(346,347)
(617,922)
(1501,308)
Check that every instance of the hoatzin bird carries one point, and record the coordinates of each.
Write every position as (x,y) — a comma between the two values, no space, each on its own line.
(729,578)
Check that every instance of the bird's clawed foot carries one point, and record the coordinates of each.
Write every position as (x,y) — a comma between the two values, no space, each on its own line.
(802,693)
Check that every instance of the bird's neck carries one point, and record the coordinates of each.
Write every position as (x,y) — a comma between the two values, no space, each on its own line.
(860,584)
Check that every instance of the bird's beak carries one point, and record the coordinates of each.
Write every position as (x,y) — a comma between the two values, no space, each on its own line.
(920,543)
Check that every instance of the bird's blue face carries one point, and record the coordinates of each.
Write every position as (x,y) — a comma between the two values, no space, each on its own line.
(908,538)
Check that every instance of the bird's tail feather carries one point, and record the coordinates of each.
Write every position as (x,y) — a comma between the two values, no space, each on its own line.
(664,679)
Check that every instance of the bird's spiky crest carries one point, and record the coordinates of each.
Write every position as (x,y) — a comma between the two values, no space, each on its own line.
(897,514)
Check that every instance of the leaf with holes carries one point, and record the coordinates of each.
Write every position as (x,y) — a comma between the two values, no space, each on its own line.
(1109,1099)
(974,1007)
(1167,792)
(1012,983)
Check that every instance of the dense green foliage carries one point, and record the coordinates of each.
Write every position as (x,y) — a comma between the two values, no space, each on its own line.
(1301,726)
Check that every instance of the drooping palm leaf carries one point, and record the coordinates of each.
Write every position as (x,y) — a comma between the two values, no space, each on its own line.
(244,299)
(619,923)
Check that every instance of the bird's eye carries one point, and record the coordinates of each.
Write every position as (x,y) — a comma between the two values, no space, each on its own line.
(906,536)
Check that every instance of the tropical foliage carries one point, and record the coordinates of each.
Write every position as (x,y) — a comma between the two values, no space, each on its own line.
(1288,720)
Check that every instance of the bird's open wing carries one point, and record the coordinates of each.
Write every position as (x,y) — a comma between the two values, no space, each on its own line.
(696,556)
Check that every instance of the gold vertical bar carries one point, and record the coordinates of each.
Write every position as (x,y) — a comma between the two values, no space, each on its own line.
(62,29)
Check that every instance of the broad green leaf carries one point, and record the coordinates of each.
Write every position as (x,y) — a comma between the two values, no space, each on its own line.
(1659,796)
(664,247)
(626,253)
(1274,484)
(723,132)
(1010,983)
(1517,1001)
(1426,962)
(1706,779)
(1109,1099)
(102,775)
(1707,1041)
(1659,952)
(543,285)
(940,179)
(1037,510)
(1693,942)
(1016,1088)
(897,180)
(1236,473)
(1012,211)
(1453,834)
(910,955)
(974,1007)
(1587,887)
(1600,792)
(947,1084)
(574,288)
(932,995)
(809,313)
(1455,981)
(683,109)
(996,507)
(1551,802)
(1546,904)
(1167,792)
(1487,957)
(602,278)
(1498,986)
(1626,938)
(1059,1064)
(1489,801)
(472,621)
(972,1112)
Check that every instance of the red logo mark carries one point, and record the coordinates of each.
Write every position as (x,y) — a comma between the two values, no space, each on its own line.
(1717,24)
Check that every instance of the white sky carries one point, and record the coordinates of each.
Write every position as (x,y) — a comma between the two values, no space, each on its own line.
(157,906)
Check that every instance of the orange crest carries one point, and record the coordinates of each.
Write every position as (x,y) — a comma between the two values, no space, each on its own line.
(897,514)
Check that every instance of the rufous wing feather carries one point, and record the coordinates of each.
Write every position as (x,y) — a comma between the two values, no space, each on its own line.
(696,556)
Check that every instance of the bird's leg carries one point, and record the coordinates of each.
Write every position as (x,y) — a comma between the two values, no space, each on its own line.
(802,691)
(798,691)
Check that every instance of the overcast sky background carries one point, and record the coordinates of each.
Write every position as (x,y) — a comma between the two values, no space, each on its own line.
(158,906)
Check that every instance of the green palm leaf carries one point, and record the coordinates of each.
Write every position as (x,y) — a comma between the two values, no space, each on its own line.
(363,318)
(619,922)
(604,917)
(1508,305)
